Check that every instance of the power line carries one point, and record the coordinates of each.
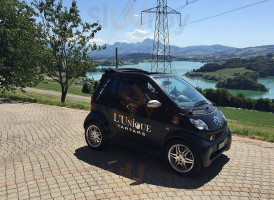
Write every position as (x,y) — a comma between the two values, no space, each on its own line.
(110,35)
(161,61)
(138,26)
(224,13)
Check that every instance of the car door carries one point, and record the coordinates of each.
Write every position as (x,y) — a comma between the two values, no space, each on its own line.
(129,112)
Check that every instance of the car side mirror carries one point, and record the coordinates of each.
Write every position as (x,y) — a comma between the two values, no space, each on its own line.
(153,104)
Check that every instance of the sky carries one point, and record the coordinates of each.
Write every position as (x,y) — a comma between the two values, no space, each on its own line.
(235,23)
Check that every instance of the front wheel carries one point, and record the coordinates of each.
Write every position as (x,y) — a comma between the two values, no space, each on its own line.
(96,136)
(182,158)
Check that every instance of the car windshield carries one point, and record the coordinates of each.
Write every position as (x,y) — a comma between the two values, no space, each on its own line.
(183,94)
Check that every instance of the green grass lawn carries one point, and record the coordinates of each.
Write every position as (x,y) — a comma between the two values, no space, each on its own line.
(54,86)
(250,123)
(253,124)
(45,99)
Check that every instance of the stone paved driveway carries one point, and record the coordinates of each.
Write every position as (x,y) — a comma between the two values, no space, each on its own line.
(44,155)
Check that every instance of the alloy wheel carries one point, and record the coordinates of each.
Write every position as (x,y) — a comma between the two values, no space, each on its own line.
(181,158)
(94,136)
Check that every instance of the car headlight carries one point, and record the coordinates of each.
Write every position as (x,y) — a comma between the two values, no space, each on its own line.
(199,124)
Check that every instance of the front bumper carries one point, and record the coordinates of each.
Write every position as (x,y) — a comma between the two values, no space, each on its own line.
(212,150)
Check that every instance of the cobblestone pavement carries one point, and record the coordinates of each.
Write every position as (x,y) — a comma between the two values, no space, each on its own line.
(44,155)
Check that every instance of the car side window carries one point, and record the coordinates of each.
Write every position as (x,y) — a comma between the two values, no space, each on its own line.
(151,92)
(130,89)
(113,86)
(136,91)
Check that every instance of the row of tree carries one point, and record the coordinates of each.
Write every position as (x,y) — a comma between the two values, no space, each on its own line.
(222,97)
(58,44)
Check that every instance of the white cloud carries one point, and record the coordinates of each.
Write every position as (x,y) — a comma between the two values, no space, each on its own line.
(136,15)
(98,41)
(137,35)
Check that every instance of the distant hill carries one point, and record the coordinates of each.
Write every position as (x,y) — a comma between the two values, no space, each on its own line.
(146,47)
(142,51)
(245,52)
(200,50)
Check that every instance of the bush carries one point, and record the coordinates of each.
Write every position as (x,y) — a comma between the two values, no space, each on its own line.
(272,105)
(239,101)
(250,103)
(86,88)
(220,96)
(224,97)
(199,90)
(96,84)
(263,104)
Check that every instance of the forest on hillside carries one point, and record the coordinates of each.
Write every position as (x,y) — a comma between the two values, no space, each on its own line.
(238,73)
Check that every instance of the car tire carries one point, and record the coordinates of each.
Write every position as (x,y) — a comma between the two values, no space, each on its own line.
(182,157)
(96,136)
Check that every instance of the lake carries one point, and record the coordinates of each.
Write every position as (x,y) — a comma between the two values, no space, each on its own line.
(181,67)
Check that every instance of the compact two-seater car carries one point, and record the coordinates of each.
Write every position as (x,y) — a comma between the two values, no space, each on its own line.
(157,112)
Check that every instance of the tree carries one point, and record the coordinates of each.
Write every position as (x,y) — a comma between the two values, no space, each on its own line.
(68,41)
(20,48)
(263,104)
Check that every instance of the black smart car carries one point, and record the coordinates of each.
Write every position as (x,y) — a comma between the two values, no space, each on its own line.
(157,112)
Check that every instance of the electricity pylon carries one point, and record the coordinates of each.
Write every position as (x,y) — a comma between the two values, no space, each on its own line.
(161,61)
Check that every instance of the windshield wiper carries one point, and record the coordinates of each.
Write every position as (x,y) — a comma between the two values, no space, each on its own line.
(200,103)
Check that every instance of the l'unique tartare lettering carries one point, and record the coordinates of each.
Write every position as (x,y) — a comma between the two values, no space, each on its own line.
(131,125)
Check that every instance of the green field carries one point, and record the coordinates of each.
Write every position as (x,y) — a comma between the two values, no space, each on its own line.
(250,123)
(220,74)
(45,99)
(52,85)
(253,124)
(230,72)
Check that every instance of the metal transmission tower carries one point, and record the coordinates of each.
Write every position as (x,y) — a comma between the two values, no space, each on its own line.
(161,61)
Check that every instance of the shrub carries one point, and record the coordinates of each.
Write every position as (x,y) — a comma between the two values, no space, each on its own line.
(250,103)
(96,84)
(263,104)
(199,90)
(220,96)
(239,101)
(86,88)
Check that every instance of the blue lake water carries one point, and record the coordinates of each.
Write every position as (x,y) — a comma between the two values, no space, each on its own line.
(181,67)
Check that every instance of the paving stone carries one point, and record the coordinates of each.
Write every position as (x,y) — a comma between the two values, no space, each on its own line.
(43,155)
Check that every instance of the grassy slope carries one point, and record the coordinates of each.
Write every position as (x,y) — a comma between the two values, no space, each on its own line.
(250,123)
(253,124)
(54,86)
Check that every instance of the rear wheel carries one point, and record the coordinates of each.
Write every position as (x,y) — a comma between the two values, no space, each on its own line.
(96,136)
(182,157)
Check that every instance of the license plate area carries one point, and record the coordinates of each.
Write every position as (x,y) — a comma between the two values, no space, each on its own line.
(221,145)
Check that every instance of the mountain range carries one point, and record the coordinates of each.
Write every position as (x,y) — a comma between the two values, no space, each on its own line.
(144,49)
(147,45)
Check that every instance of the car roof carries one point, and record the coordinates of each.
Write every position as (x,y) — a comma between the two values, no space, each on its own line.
(136,71)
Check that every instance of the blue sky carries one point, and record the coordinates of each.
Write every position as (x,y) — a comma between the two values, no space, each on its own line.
(250,26)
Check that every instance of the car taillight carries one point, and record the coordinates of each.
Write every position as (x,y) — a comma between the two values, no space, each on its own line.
(91,99)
